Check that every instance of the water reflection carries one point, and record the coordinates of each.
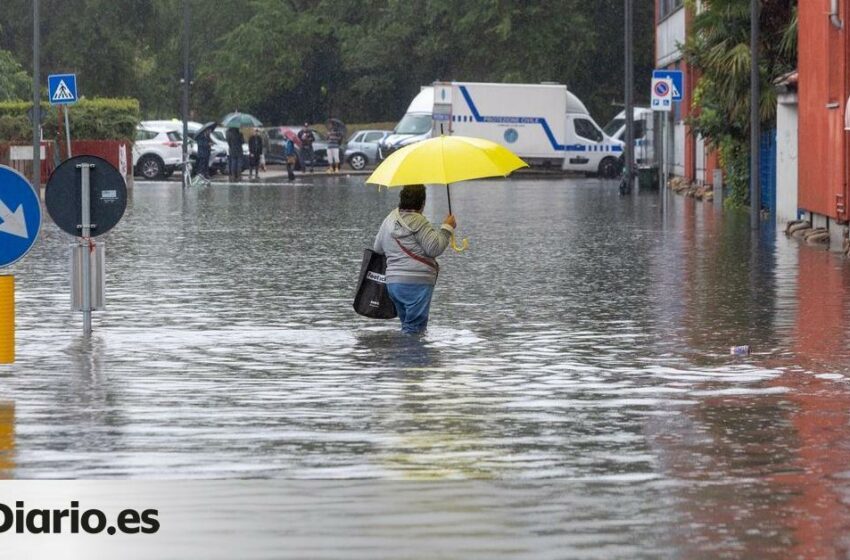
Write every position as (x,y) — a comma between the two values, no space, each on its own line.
(581,342)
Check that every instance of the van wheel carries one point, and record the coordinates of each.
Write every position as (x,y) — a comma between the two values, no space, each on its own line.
(609,168)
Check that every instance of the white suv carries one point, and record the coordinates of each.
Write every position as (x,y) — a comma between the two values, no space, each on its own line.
(157,151)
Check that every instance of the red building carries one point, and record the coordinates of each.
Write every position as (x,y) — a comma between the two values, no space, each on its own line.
(824,85)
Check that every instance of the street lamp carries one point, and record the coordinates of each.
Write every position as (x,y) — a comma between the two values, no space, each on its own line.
(628,152)
(755,121)
(185,81)
(36,101)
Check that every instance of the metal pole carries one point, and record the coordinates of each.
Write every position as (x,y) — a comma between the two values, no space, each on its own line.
(67,130)
(629,97)
(85,204)
(36,102)
(755,121)
(661,149)
(186,175)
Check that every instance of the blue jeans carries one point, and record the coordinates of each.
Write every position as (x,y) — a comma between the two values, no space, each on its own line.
(412,303)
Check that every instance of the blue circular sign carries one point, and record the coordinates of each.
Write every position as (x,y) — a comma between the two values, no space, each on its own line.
(661,89)
(511,135)
(20,216)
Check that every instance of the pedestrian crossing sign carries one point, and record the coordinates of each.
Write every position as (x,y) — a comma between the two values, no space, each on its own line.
(62,89)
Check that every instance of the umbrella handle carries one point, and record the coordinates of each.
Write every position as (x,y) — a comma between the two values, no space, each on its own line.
(464,244)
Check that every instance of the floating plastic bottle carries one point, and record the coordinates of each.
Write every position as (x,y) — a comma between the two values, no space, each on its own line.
(739,350)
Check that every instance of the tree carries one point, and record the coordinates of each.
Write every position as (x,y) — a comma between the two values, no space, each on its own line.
(363,60)
(719,49)
(15,83)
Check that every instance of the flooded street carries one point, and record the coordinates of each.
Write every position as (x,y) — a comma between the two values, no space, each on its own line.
(576,370)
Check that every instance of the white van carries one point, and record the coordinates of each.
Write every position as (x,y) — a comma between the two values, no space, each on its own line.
(644,126)
(544,124)
(414,126)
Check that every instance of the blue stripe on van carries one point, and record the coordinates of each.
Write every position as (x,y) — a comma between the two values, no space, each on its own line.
(477,117)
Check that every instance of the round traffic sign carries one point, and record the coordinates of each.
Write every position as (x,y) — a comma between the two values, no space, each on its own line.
(108,195)
(20,216)
(661,89)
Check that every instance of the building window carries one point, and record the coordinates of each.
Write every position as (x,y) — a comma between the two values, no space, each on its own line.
(667,7)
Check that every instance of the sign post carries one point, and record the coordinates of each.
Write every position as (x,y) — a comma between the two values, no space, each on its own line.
(62,90)
(20,223)
(86,197)
(662,97)
(67,131)
(85,206)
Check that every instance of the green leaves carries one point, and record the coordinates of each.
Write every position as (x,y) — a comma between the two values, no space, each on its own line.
(292,60)
(720,49)
(15,83)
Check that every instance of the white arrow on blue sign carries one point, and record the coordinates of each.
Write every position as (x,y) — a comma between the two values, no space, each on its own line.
(20,216)
(62,89)
(677,79)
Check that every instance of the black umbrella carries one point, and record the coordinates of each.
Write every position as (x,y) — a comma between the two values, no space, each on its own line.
(209,126)
(339,125)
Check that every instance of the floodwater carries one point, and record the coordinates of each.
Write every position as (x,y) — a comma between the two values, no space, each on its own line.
(577,361)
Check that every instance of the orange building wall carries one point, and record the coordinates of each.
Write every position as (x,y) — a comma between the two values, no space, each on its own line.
(823,57)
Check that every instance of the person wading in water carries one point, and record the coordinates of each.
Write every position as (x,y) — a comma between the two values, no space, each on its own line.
(411,244)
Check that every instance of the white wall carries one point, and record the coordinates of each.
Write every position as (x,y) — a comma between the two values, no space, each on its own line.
(679,149)
(700,161)
(670,32)
(786,158)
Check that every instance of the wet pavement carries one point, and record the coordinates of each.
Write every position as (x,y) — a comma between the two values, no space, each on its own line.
(577,361)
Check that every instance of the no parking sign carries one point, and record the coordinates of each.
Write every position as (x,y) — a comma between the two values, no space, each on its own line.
(662,94)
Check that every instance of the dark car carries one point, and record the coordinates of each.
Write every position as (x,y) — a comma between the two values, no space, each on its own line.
(277,145)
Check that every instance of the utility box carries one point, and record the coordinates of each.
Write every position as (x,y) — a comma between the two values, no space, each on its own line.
(648,177)
(96,268)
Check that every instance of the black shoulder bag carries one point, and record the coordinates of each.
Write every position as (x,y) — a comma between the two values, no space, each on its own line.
(371,298)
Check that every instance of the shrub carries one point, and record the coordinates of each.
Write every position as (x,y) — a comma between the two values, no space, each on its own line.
(90,119)
(735,159)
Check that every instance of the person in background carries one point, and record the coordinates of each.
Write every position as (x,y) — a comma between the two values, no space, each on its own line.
(411,245)
(334,140)
(291,158)
(234,152)
(204,150)
(306,137)
(255,153)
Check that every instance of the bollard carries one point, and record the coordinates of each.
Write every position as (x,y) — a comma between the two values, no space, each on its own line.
(7,319)
(7,439)
(717,182)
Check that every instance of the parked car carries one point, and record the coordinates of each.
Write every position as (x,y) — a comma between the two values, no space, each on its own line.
(218,150)
(157,151)
(277,136)
(362,147)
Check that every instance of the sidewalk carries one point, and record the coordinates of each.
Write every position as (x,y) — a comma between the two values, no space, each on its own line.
(279,172)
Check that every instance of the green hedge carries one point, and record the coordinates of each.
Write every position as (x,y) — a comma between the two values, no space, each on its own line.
(91,119)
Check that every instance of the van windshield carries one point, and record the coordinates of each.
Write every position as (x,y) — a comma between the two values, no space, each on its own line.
(612,127)
(413,124)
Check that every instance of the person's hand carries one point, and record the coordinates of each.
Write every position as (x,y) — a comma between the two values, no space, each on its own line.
(450,221)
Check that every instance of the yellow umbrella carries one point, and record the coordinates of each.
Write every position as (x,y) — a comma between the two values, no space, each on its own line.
(444,160)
